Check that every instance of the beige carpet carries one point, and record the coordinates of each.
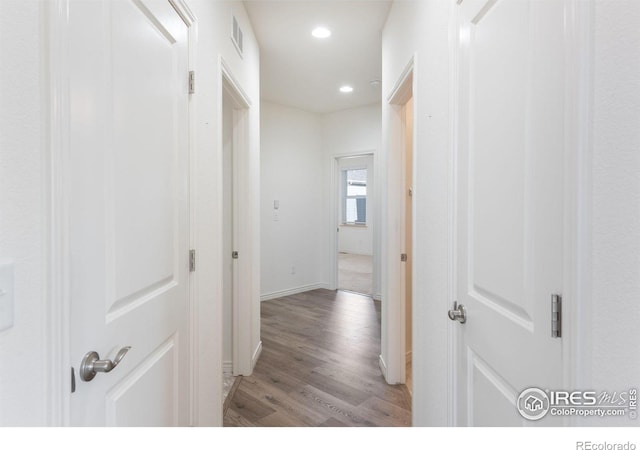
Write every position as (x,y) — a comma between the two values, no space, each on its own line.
(355,273)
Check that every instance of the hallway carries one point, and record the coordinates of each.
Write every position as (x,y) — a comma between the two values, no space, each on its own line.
(175,186)
(319,367)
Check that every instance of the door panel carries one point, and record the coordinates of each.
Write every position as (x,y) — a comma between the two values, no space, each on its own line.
(509,204)
(128,188)
(127,403)
(489,394)
(498,166)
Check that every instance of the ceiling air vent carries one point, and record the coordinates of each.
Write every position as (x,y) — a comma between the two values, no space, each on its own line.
(236,37)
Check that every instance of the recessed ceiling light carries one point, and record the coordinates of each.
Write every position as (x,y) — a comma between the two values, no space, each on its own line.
(346,89)
(321,33)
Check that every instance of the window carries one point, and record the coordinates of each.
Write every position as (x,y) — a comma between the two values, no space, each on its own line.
(354,197)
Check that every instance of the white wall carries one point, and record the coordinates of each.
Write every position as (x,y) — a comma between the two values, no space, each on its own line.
(615,207)
(23,227)
(421,28)
(352,131)
(299,148)
(292,162)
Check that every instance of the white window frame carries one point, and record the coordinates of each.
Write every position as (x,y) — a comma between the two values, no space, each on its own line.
(346,197)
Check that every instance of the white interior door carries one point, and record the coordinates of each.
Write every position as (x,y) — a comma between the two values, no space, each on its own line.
(509,205)
(128,188)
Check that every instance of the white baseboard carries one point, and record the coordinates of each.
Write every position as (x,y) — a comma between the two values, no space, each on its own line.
(292,291)
(227,366)
(256,355)
(383,367)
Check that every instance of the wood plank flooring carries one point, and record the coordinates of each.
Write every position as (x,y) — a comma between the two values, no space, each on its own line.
(319,367)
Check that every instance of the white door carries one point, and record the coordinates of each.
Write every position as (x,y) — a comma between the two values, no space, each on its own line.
(509,205)
(128,188)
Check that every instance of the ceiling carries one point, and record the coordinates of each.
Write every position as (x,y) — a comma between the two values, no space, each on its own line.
(299,70)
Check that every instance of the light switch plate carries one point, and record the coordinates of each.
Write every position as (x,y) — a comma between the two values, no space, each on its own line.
(6,294)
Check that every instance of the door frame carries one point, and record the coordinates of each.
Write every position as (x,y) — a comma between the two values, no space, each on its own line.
(56,208)
(576,298)
(393,361)
(578,212)
(243,354)
(334,215)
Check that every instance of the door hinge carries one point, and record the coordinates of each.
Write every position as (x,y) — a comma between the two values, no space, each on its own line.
(192,82)
(556,316)
(403,257)
(192,260)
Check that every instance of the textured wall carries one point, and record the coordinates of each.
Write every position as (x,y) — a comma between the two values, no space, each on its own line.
(615,240)
(22,232)
(292,162)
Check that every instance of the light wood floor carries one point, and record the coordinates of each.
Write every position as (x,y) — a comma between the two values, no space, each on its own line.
(319,367)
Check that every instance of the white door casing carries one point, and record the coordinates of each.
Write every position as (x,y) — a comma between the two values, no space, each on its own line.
(408,231)
(509,203)
(229,244)
(244,354)
(392,359)
(129,211)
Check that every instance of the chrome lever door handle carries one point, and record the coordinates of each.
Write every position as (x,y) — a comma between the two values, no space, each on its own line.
(458,313)
(92,364)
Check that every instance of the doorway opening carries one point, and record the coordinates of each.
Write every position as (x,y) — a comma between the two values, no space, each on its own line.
(236,305)
(407,277)
(228,244)
(397,318)
(355,214)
